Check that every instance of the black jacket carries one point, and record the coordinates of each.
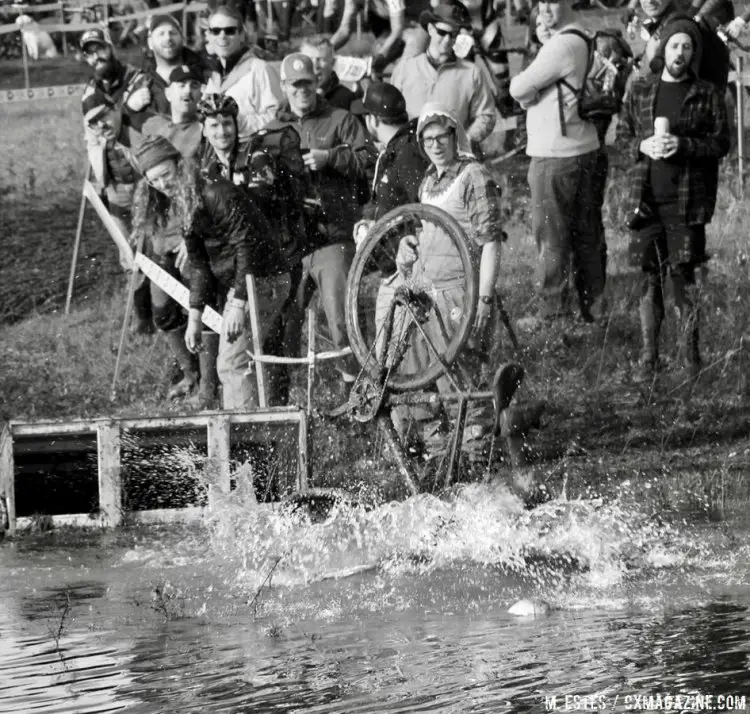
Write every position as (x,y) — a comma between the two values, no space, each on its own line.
(336,94)
(398,173)
(229,238)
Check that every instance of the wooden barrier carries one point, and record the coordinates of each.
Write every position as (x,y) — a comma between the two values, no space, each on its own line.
(109,433)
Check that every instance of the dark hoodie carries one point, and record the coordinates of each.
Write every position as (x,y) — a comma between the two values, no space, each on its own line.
(336,94)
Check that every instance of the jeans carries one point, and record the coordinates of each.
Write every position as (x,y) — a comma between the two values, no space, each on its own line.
(566,230)
(239,389)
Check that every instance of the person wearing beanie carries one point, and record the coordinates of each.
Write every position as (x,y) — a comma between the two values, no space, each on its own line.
(240,72)
(227,238)
(167,51)
(674,127)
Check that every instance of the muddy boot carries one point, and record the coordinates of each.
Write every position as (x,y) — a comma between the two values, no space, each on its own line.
(189,382)
(651,311)
(688,310)
(207,396)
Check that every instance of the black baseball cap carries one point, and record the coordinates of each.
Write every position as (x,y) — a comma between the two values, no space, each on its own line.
(382,100)
(186,73)
(94,37)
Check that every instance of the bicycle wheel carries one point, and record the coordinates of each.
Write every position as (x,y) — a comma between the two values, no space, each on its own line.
(418,336)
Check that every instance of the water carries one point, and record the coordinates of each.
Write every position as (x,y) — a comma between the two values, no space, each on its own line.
(401,608)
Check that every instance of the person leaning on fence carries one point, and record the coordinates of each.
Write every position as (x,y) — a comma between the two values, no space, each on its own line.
(227,239)
(673,126)
(125,85)
(438,75)
(167,51)
(338,154)
(270,168)
(110,143)
(166,247)
(563,150)
(239,71)
(461,186)
(401,163)
(320,51)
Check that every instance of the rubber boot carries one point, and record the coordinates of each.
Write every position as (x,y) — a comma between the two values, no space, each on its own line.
(686,302)
(189,382)
(651,311)
(207,396)
(142,321)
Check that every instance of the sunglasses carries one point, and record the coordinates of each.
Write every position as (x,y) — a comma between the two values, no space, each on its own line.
(228,31)
(446,33)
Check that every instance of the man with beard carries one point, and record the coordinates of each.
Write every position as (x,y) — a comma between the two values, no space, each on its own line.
(167,51)
(320,51)
(111,142)
(438,75)
(674,126)
(240,73)
(125,85)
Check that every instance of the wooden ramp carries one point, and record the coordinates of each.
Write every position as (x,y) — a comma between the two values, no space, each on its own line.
(109,434)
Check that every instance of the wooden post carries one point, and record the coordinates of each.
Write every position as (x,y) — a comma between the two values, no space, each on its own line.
(260,370)
(739,62)
(454,458)
(25,57)
(77,242)
(8,476)
(110,484)
(312,315)
(218,450)
(508,19)
(184,20)
(64,34)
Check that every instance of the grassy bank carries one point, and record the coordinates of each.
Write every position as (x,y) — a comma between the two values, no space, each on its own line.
(686,445)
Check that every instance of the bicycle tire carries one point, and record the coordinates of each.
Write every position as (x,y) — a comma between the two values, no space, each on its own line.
(383,228)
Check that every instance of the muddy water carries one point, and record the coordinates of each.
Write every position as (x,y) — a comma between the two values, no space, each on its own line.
(401,608)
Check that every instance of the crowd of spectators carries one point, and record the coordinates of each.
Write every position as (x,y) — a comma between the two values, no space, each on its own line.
(227,164)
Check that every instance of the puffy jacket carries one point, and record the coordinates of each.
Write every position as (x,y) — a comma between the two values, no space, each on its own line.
(256,87)
(399,171)
(229,238)
(342,185)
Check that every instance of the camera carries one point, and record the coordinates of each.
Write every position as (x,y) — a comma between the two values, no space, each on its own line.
(640,217)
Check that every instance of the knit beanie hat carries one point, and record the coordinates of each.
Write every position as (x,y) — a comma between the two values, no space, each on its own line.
(152,151)
(677,24)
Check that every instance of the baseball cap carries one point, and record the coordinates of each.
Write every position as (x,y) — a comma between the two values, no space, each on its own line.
(382,100)
(296,67)
(450,12)
(95,36)
(158,20)
(185,73)
(94,105)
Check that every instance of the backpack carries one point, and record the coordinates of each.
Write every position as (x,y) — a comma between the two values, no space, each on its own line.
(598,97)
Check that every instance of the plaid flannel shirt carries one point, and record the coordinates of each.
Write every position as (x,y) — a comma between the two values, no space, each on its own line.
(703,131)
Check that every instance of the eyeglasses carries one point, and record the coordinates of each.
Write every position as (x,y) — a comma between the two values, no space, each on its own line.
(93,51)
(228,31)
(438,139)
(446,33)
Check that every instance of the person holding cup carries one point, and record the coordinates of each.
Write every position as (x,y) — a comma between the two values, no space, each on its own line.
(675,128)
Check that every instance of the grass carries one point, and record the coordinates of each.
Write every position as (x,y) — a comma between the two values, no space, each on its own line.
(600,429)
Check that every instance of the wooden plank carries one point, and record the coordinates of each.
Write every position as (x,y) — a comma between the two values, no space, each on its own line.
(110,485)
(7,476)
(257,340)
(218,451)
